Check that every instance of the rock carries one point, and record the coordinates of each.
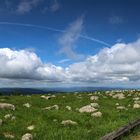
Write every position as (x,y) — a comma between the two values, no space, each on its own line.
(48,97)
(136,99)
(137,102)
(28,96)
(31,127)
(68,108)
(7,106)
(13,118)
(7,116)
(53,96)
(69,122)
(1,122)
(129,95)
(9,136)
(94,104)
(27,136)
(27,105)
(87,109)
(118,96)
(54,120)
(96,114)
(94,98)
(121,107)
(117,104)
(56,107)
(136,106)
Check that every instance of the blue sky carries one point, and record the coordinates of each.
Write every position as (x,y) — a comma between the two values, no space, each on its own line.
(80,30)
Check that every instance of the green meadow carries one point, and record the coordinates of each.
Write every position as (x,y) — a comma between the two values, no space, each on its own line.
(48,122)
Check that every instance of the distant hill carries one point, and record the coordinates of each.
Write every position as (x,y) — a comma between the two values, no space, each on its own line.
(25,91)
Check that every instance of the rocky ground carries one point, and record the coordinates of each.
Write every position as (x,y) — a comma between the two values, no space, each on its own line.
(75,116)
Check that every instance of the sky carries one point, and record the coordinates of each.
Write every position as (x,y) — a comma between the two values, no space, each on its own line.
(49,43)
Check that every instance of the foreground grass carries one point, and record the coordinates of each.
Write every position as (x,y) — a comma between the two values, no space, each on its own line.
(48,122)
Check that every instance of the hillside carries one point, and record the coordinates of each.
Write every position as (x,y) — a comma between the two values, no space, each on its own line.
(75,116)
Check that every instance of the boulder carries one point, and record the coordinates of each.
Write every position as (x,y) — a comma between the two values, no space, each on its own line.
(27,105)
(56,107)
(87,109)
(94,104)
(96,114)
(7,116)
(136,106)
(94,98)
(7,106)
(68,108)
(69,122)
(31,127)
(27,136)
(118,96)
(9,136)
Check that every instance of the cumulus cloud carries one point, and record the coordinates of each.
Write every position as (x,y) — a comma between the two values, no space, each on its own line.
(68,39)
(26,6)
(24,64)
(118,64)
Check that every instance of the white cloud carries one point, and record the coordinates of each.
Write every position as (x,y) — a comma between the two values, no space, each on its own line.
(68,39)
(26,6)
(24,64)
(116,20)
(64,61)
(119,64)
(55,6)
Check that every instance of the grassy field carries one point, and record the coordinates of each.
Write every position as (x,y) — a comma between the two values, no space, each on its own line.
(48,125)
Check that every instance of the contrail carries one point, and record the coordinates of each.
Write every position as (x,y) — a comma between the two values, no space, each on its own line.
(55,30)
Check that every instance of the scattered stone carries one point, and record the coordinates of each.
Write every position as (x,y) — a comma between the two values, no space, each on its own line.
(94,98)
(121,108)
(117,104)
(129,95)
(137,102)
(28,96)
(53,96)
(9,136)
(94,104)
(87,109)
(13,118)
(54,120)
(136,99)
(56,107)
(0,122)
(31,127)
(96,114)
(119,96)
(27,136)
(46,97)
(7,116)
(136,106)
(69,122)
(7,106)
(27,105)
(68,108)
